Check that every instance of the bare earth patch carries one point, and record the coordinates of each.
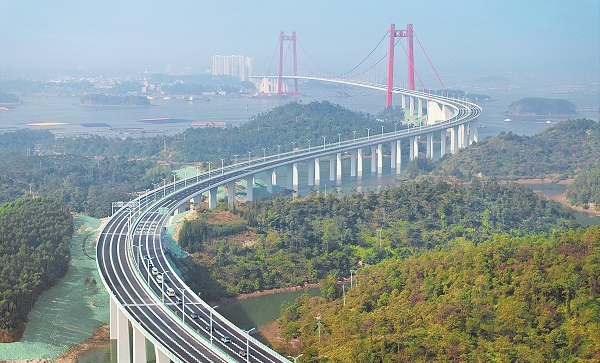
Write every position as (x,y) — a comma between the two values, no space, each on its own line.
(562,197)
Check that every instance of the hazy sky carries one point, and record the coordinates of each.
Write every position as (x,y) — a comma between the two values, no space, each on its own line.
(484,37)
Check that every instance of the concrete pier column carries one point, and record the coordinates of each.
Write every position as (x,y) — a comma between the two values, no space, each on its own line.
(113,319)
(231,192)
(373,159)
(430,145)
(475,124)
(453,139)
(161,357)
(289,176)
(413,152)
(352,162)
(311,173)
(403,101)
(317,171)
(465,142)
(379,159)
(420,107)
(212,197)
(273,177)
(295,176)
(181,209)
(123,345)
(398,153)
(411,110)
(139,346)
(443,142)
(250,188)
(359,162)
(393,155)
(332,167)
(269,180)
(338,163)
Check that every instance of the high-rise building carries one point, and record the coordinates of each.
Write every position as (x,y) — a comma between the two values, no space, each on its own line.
(232,65)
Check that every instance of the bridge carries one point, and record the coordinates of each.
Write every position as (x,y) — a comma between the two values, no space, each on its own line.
(148,295)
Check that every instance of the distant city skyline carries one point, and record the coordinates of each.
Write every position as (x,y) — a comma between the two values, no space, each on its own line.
(232,65)
(467,39)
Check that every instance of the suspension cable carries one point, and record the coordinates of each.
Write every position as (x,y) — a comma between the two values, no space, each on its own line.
(431,64)
(415,69)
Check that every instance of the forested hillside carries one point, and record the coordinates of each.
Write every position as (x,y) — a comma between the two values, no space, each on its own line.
(34,253)
(585,190)
(288,242)
(508,299)
(557,153)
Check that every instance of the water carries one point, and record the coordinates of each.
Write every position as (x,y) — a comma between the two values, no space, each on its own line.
(71,119)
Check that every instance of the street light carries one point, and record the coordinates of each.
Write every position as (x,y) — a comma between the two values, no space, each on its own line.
(222,165)
(148,258)
(368,133)
(308,144)
(354,132)
(174,175)
(139,253)
(249,152)
(293,147)
(211,322)
(382,131)
(235,158)
(184,177)
(162,286)
(164,185)
(209,164)
(197,173)
(339,139)
(295,358)
(248,344)
(182,303)
(278,150)
(323,142)
(264,155)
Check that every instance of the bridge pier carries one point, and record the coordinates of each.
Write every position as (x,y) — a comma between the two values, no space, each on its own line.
(453,139)
(379,159)
(231,192)
(475,131)
(332,167)
(420,107)
(403,101)
(250,188)
(161,357)
(443,142)
(139,346)
(430,145)
(212,197)
(414,147)
(411,105)
(393,155)
(353,163)
(113,319)
(359,162)
(295,176)
(373,159)
(311,173)
(289,176)
(317,171)
(398,152)
(338,163)
(123,347)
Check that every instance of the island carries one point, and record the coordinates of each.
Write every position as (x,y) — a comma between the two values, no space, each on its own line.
(8,101)
(541,107)
(94,100)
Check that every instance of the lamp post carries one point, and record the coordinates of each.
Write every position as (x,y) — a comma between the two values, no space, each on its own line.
(235,158)
(339,139)
(184,177)
(368,133)
(354,133)
(174,176)
(197,173)
(162,286)
(264,155)
(308,144)
(182,304)
(248,344)
(164,186)
(211,323)
(323,142)
(382,131)
(295,358)
(278,150)
(249,152)
(139,253)
(222,165)
(209,164)
(293,147)
(395,127)
(148,258)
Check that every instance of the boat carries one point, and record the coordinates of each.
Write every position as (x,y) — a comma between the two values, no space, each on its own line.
(507,120)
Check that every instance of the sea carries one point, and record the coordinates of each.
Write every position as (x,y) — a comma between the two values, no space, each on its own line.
(171,115)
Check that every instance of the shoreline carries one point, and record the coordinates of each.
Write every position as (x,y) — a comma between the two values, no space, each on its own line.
(561,197)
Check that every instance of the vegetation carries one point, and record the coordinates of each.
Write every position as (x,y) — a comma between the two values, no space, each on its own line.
(108,100)
(7,98)
(34,237)
(585,190)
(557,153)
(541,107)
(288,242)
(508,299)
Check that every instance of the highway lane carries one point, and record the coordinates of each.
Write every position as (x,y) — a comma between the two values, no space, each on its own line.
(128,275)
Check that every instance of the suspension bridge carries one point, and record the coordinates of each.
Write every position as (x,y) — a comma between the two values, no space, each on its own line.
(146,293)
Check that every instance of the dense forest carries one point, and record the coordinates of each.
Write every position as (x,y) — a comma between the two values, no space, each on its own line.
(34,253)
(86,185)
(282,242)
(585,190)
(557,153)
(290,126)
(507,299)
(541,107)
